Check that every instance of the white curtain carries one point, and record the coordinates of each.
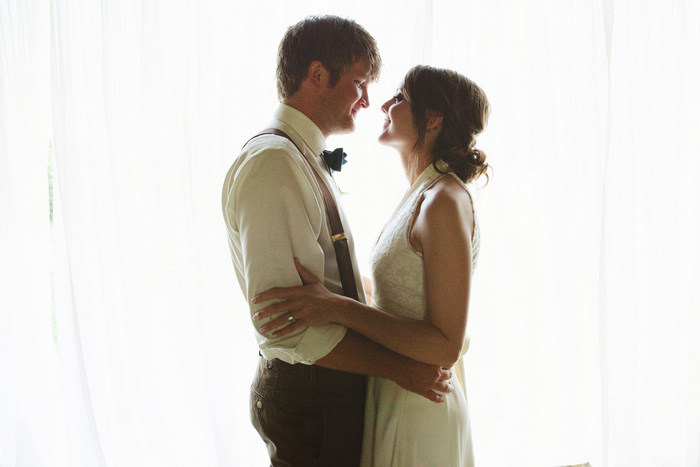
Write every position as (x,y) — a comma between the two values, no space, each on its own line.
(31,412)
(586,301)
(142,97)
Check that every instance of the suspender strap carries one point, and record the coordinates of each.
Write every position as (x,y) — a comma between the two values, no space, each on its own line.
(340,242)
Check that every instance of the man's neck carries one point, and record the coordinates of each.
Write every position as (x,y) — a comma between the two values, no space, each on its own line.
(308,108)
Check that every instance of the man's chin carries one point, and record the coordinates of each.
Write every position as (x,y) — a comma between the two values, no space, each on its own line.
(349,127)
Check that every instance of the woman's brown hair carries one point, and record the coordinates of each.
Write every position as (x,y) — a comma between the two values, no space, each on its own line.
(464,109)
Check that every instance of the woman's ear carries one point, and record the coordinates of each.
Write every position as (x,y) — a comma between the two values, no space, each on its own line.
(433,120)
(316,75)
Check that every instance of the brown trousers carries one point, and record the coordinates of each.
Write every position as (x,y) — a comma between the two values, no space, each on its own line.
(308,415)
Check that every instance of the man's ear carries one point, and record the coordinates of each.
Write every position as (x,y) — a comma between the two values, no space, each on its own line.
(433,120)
(317,76)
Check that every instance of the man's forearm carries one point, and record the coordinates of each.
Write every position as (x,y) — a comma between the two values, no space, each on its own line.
(357,354)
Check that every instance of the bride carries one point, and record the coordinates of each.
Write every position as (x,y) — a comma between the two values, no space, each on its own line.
(422,266)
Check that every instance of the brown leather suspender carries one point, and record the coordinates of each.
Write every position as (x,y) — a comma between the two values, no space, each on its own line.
(340,242)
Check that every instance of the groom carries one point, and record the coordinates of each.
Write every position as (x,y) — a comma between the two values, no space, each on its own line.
(307,398)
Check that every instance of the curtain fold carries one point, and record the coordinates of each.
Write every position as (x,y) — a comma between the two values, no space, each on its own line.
(650,264)
(585,303)
(32,430)
(133,86)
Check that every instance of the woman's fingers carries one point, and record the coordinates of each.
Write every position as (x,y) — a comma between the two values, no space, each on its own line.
(276,323)
(286,292)
(282,325)
(289,329)
(306,276)
(277,292)
(272,310)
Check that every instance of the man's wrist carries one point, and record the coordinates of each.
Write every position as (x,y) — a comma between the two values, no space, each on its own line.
(396,366)
(339,312)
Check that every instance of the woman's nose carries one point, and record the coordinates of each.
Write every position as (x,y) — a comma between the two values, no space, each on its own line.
(385,106)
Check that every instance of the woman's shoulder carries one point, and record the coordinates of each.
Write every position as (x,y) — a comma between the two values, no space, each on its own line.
(444,214)
(447,196)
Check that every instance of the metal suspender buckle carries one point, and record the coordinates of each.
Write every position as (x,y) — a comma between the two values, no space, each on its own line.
(338,237)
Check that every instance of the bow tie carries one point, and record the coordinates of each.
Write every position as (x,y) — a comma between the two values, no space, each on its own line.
(334,159)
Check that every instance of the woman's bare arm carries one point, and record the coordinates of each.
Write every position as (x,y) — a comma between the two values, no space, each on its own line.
(442,232)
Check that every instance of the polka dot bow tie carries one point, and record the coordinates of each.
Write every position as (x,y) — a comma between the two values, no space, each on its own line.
(335,159)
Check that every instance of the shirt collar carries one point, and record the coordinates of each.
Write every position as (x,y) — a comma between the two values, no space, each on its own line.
(303,125)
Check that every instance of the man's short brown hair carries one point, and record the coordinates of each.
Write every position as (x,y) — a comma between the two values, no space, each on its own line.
(338,43)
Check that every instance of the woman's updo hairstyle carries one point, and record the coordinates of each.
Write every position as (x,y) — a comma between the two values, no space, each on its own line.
(465,110)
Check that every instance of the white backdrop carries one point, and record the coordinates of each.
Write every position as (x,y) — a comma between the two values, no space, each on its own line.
(586,301)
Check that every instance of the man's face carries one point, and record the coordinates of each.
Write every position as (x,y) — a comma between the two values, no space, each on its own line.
(342,102)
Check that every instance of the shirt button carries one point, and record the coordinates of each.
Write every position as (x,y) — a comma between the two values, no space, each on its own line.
(259,404)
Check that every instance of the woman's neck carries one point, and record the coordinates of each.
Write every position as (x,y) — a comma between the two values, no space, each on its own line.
(414,163)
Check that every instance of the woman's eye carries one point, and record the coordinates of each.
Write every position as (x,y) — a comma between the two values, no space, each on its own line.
(398,97)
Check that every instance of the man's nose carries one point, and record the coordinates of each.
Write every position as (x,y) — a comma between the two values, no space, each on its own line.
(365,97)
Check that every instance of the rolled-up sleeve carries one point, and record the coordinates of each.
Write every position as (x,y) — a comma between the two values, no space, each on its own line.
(274,210)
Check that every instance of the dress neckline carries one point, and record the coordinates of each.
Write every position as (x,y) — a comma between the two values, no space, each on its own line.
(429,176)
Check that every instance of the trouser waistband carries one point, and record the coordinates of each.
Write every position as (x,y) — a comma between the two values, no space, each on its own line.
(310,372)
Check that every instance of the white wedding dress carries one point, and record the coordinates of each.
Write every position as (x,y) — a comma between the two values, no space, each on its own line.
(402,428)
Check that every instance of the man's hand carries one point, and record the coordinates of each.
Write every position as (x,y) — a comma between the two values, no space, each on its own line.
(357,354)
(424,379)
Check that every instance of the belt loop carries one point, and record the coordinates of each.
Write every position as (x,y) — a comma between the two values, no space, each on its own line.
(313,373)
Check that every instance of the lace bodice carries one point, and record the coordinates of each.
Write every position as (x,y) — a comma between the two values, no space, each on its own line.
(398,274)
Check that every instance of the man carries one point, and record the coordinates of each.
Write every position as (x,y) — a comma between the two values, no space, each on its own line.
(307,399)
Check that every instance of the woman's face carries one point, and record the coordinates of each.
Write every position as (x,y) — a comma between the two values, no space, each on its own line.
(398,131)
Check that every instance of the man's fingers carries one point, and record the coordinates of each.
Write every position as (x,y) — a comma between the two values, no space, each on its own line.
(443,386)
(445,374)
(433,396)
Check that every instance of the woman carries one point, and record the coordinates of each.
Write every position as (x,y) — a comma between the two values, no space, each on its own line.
(421,270)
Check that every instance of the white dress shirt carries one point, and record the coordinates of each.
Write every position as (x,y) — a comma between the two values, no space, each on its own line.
(274,211)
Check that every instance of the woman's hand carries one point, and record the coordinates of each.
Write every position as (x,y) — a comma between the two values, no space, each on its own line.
(310,305)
